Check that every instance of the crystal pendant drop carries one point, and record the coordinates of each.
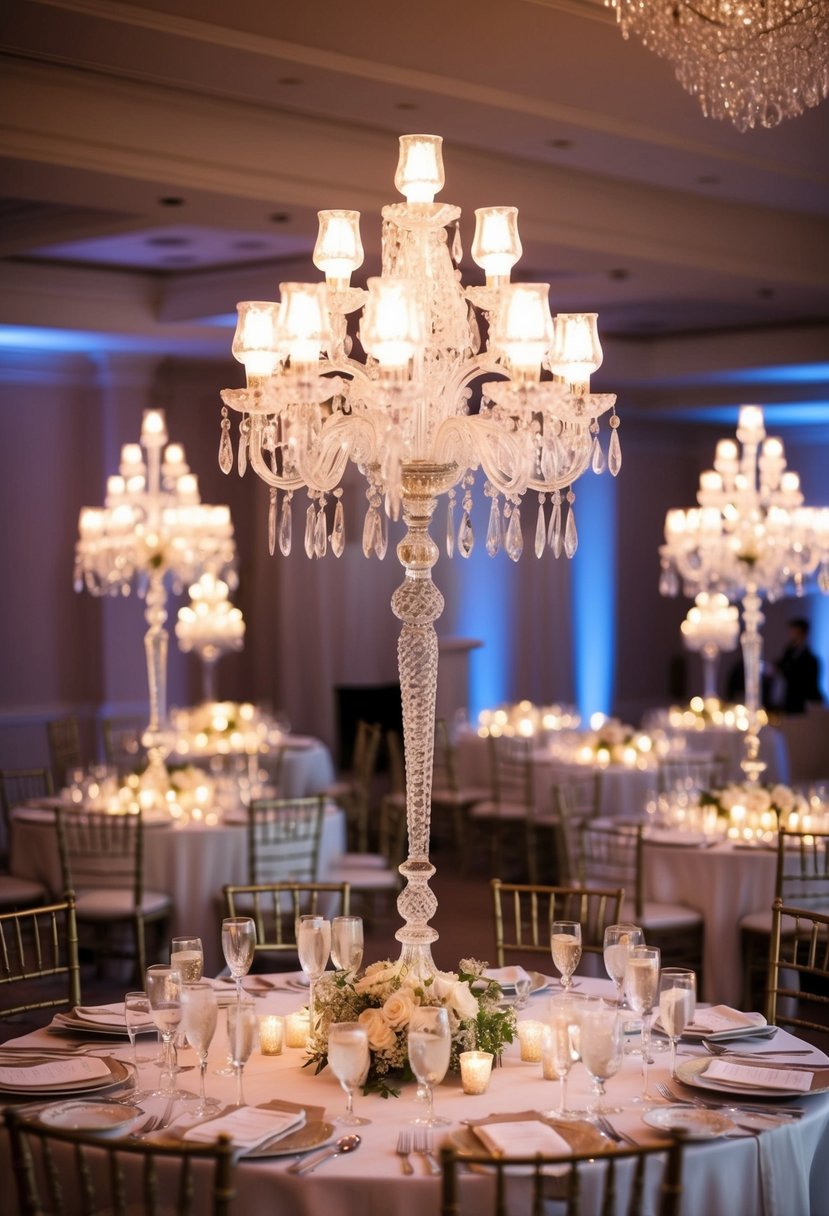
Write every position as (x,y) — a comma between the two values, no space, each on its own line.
(474,332)
(514,542)
(571,536)
(242,454)
(225,445)
(668,582)
(450,528)
(285,527)
(310,528)
(548,463)
(272,521)
(457,246)
(597,460)
(321,534)
(554,533)
(381,535)
(495,531)
(466,537)
(614,454)
(368,532)
(540,530)
(338,531)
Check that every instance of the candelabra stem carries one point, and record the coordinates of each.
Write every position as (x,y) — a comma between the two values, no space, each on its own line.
(418,604)
(710,662)
(209,659)
(155,648)
(752,646)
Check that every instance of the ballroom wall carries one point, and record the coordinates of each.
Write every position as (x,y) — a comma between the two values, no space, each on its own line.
(315,626)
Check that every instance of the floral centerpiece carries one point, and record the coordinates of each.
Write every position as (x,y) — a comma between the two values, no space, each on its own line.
(383,999)
(701,712)
(614,742)
(755,812)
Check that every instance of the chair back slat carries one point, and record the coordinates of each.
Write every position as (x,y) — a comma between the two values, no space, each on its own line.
(802,877)
(37,946)
(284,839)
(524,913)
(101,850)
(275,907)
(798,975)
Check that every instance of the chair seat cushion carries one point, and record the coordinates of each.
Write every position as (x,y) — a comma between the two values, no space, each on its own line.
(662,916)
(760,923)
(116,903)
(20,892)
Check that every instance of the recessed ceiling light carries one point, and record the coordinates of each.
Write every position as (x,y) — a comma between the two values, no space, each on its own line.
(561,144)
(279,217)
(171,200)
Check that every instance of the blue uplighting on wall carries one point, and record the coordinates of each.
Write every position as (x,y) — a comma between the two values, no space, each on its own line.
(485,612)
(593,592)
(819,637)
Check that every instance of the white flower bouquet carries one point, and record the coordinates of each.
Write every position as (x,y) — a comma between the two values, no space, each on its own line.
(779,800)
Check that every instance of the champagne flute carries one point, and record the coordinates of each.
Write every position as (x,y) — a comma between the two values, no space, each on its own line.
(349,1059)
(164,997)
(241,1034)
(565,944)
(560,1049)
(347,942)
(429,1049)
(238,945)
(601,1044)
(187,957)
(677,1004)
(200,1011)
(642,985)
(136,1012)
(619,940)
(313,943)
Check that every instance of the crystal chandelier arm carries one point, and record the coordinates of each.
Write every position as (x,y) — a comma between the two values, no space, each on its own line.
(474,441)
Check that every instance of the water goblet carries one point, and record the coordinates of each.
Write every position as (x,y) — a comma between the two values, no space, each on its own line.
(429,1049)
(560,1049)
(565,945)
(677,1004)
(601,1045)
(136,1012)
(241,1035)
(187,957)
(238,945)
(164,997)
(200,1010)
(347,942)
(348,1057)
(313,943)
(619,940)
(642,985)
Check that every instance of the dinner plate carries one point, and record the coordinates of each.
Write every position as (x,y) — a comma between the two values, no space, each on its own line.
(538,983)
(309,1136)
(118,1073)
(65,1021)
(694,1123)
(692,1073)
(103,1117)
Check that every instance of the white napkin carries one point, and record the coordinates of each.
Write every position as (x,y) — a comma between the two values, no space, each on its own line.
(110,1015)
(522,1138)
(248,1126)
(54,1072)
(718,1020)
(507,977)
(751,1077)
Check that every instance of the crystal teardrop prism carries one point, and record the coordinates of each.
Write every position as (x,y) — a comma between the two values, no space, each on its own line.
(225,445)
(338,531)
(450,528)
(474,331)
(381,535)
(571,536)
(554,533)
(597,460)
(310,529)
(494,532)
(457,246)
(272,521)
(242,454)
(668,582)
(540,531)
(466,537)
(321,534)
(285,528)
(614,454)
(368,532)
(514,542)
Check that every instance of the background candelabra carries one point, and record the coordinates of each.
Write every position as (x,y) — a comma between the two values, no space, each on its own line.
(152,530)
(711,627)
(406,417)
(750,537)
(211,626)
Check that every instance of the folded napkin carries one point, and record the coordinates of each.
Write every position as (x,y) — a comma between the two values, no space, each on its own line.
(751,1076)
(54,1072)
(507,977)
(110,1015)
(522,1138)
(722,1021)
(248,1126)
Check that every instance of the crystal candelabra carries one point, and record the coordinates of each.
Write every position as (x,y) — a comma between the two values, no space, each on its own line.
(404,414)
(749,537)
(153,529)
(211,626)
(753,62)
(712,627)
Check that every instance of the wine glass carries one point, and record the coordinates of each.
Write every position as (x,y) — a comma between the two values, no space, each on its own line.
(238,944)
(347,942)
(429,1048)
(641,985)
(313,943)
(136,1012)
(349,1059)
(677,1004)
(200,1010)
(565,944)
(241,1035)
(187,957)
(164,997)
(601,1045)
(560,1048)
(619,940)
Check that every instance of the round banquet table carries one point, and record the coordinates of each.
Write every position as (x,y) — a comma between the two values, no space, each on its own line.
(729,744)
(782,1172)
(190,861)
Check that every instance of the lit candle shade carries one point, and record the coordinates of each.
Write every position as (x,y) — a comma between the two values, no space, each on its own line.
(530,1036)
(271,1034)
(476,1067)
(297,1029)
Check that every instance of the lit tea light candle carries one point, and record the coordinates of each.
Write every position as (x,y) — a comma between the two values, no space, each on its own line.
(530,1036)
(476,1067)
(271,1034)
(548,1068)
(297,1029)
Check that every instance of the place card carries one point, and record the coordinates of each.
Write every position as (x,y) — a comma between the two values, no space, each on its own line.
(752,1077)
(54,1072)
(248,1126)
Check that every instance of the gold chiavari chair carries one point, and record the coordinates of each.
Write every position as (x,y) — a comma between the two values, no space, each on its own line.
(353,791)
(284,839)
(452,801)
(64,739)
(798,975)
(39,958)
(508,814)
(275,907)
(18,786)
(524,913)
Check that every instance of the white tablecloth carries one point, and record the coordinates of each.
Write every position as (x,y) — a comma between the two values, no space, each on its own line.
(783,1172)
(307,767)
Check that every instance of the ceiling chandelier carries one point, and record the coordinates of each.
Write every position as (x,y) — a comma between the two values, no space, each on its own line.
(753,62)
(404,414)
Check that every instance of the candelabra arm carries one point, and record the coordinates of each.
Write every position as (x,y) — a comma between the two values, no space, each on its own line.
(752,646)
(418,604)
(155,647)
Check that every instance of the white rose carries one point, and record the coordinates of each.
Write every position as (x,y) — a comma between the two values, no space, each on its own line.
(397,1009)
(783,797)
(381,1037)
(462,1001)
(378,975)
(442,985)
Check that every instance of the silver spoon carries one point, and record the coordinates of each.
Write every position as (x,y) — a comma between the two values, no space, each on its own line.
(345,1144)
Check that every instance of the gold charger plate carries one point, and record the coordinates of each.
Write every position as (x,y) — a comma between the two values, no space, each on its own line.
(691,1073)
(309,1136)
(118,1073)
(582,1137)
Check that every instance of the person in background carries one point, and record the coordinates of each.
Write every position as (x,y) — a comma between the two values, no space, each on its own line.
(799,669)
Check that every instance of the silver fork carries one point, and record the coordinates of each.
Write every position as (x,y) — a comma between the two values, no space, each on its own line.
(720,1049)
(404,1147)
(788,1112)
(423,1148)
(606,1127)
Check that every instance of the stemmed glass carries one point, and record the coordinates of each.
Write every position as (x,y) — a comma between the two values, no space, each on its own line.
(136,1012)
(619,940)
(349,1059)
(642,985)
(565,944)
(677,1004)
(187,957)
(601,1044)
(238,944)
(429,1048)
(241,1034)
(164,997)
(313,943)
(560,1048)
(347,942)
(200,1011)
